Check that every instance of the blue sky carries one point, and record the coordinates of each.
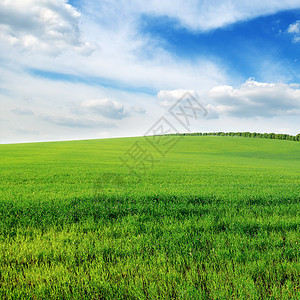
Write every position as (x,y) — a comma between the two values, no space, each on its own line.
(92,69)
(240,47)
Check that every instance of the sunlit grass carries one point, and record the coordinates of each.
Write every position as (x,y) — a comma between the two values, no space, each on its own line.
(218,217)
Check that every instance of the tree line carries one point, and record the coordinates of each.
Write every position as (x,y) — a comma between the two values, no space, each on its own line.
(275,136)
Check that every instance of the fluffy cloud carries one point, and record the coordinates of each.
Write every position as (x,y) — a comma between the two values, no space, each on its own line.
(294,30)
(50,26)
(255,99)
(169,97)
(106,107)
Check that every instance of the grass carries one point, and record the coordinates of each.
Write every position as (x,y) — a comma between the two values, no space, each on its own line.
(216,218)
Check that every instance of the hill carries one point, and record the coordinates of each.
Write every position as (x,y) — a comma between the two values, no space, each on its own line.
(176,217)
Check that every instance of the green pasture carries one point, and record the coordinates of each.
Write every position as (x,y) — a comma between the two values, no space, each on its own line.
(214,218)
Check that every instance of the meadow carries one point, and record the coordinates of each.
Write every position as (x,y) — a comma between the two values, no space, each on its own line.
(215,218)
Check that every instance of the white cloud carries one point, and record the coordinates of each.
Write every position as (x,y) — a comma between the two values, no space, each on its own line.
(49,26)
(169,97)
(106,107)
(294,30)
(255,99)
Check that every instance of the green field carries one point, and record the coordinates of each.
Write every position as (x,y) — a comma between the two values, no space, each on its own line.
(216,218)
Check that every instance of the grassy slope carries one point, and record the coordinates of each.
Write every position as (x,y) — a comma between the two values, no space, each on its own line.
(217,217)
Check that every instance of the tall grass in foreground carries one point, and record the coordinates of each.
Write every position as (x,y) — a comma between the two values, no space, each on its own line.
(217,218)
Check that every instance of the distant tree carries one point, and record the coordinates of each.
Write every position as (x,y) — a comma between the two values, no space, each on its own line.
(271,135)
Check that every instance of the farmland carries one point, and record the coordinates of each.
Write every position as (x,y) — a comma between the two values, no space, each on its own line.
(217,217)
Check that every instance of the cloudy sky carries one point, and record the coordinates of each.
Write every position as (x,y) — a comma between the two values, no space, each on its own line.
(107,68)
